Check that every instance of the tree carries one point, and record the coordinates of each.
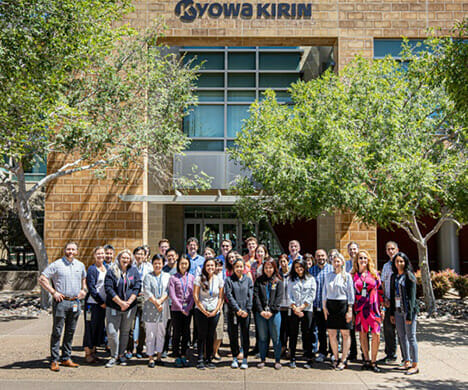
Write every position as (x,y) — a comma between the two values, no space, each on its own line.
(73,82)
(379,140)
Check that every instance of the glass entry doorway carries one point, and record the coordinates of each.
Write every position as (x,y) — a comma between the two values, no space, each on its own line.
(211,231)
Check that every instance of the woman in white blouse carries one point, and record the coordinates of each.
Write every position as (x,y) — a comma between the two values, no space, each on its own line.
(301,288)
(156,309)
(337,301)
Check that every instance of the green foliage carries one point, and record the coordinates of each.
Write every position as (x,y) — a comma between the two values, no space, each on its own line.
(450,274)
(73,82)
(378,140)
(461,285)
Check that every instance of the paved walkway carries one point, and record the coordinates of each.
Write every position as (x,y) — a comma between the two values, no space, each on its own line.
(443,350)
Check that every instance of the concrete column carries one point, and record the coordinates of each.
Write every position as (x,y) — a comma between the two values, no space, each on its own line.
(326,231)
(448,250)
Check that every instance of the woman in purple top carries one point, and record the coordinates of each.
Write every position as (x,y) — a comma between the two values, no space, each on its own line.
(181,294)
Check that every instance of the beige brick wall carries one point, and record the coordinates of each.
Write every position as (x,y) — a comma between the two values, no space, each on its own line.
(88,210)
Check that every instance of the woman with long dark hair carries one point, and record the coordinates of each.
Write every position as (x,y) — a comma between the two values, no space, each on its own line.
(302,288)
(404,310)
(268,295)
(239,297)
(95,313)
(368,300)
(181,295)
(285,307)
(208,296)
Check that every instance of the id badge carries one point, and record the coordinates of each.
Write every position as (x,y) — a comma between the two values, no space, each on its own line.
(397,302)
(75,307)
(184,306)
(319,309)
(364,292)
(235,320)
(113,313)
(289,312)
(88,315)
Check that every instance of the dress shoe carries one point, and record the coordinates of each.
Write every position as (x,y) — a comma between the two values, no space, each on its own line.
(54,366)
(69,363)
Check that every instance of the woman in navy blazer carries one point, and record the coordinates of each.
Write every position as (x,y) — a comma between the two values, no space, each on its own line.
(95,306)
(122,285)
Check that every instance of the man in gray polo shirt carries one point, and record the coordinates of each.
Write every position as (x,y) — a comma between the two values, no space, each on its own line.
(68,276)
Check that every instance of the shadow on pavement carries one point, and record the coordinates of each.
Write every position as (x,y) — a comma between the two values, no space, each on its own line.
(405,383)
(17,317)
(445,333)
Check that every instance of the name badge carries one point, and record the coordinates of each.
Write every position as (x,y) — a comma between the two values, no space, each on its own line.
(289,312)
(88,314)
(113,312)
(75,307)
(397,302)
(364,292)
(235,320)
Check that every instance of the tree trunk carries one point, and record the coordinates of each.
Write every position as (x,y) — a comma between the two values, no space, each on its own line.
(35,239)
(429,297)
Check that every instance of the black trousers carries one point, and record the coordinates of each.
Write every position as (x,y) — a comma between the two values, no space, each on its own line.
(141,328)
(284,330)
(206,333)
(389,336)
(168,335)
(235,324)
(321,325)
(305,323)
(180,338)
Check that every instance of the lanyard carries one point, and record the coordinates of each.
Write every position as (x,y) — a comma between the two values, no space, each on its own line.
(125,284)
(211,286)
(159,283)
(364,283)
(268,291)
(186,284)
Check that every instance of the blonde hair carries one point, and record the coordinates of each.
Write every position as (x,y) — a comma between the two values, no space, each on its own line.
(338,255)
(116,267)
(370,264)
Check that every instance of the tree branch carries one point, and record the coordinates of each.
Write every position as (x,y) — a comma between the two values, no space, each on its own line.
(445,217)
(65,170)
(407,230)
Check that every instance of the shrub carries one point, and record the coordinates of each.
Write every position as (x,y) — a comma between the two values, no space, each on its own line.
(461,285)
(440,284)
(450,274)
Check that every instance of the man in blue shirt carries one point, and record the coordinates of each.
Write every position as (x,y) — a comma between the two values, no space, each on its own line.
(226,247)
(294,249)
(68,276)
(196,260)
(320,327)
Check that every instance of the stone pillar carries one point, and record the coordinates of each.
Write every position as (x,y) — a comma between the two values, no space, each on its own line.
(448,250)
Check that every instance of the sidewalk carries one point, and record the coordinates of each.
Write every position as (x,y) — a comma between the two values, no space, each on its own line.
(443,351)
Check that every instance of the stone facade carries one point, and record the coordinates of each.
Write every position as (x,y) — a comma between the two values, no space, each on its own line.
(89,211)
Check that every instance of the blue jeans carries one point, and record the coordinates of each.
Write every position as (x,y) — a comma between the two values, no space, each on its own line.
(269,329)
(407,336)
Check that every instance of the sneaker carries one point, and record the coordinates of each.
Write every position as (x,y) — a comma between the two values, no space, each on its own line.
(185,363)
(128,355)
(387,359)
(235,363)
(308,364)
(320,358)
(278,366)
(292,364)
(178,362)
(201,365)
(210,365)
(151,364)
(261,365)
(122,361)
(164,355)
(111,363)
(244,364)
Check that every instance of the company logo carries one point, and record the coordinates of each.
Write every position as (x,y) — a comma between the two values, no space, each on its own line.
(187,10)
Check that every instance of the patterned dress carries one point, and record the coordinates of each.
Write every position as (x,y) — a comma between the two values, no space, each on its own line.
(367,308)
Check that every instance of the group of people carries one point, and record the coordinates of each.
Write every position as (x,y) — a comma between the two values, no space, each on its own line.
(140,302)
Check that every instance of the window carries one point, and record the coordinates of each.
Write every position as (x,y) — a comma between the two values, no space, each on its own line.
(383,47)
(230,80)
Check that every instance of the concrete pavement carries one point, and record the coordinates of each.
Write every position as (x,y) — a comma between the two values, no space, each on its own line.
(443,351)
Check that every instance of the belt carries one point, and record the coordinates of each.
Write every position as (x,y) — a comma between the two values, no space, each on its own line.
(70,298)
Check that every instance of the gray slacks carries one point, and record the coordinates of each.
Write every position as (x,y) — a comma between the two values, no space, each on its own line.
(118,328)
(65,313)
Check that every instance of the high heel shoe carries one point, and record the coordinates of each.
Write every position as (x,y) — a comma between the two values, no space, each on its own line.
(366,366)
(342,365)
